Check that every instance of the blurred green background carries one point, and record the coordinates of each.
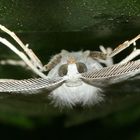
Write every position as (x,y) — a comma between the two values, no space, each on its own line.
(49,26)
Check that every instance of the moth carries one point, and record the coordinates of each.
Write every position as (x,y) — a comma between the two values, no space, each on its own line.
(73,78)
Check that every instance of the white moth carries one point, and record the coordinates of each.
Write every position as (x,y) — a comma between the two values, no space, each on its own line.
(74,78)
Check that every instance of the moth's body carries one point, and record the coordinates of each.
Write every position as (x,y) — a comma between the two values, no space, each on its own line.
(75,90)
(73,77)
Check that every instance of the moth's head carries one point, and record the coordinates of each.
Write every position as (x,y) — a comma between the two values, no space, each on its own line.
(72,67)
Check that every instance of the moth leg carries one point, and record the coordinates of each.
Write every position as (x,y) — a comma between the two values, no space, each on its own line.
(53,62)
(134,53)
(28,52)
(13,62)
(124,45)
(23,56)
(108,61)
(102,56)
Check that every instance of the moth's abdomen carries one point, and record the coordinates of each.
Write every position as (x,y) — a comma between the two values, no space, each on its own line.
(84,95)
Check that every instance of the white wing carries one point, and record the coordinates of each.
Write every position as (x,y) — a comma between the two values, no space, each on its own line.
(29,84)
(112,74)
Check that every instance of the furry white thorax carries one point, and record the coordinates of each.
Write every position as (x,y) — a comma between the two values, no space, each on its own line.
(74,91)
(73,77)
(72,69)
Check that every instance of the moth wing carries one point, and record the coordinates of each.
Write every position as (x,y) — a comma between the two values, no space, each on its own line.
(112,74)
(7,85)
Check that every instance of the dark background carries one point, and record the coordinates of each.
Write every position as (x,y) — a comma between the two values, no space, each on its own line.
(49,26)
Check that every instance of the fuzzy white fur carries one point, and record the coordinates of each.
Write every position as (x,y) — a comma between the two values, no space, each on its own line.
(74,91)
(84,95)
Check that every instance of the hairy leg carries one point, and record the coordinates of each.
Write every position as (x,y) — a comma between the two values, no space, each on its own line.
(52,63)
(103,55)
(13,62)
(110,54)
(34,59)
(23,56)
(135,53)
(124,45)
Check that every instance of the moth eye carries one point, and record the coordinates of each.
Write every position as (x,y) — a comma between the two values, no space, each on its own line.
(63,69)
(81,67)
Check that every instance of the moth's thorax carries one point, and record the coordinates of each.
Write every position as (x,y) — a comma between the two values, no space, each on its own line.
(72,69)
(72,76)
(72,64)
